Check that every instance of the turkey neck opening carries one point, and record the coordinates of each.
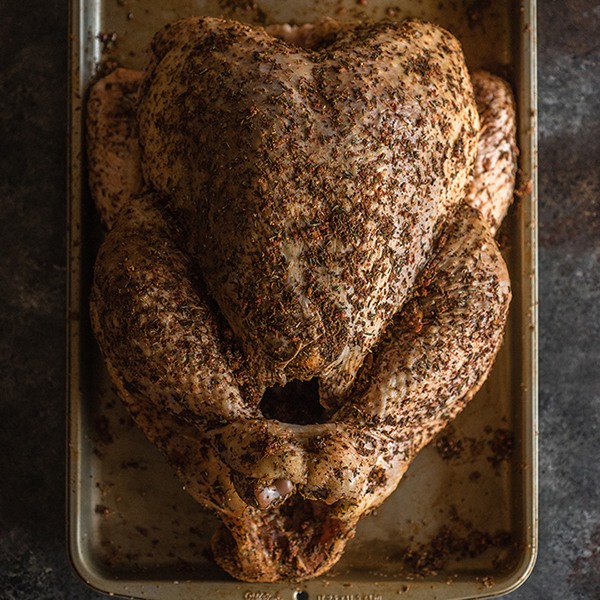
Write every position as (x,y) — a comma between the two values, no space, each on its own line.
(298,403)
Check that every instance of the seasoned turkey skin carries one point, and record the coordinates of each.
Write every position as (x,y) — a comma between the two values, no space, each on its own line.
(113,154)
(304,216)
(492,186)
(312,191)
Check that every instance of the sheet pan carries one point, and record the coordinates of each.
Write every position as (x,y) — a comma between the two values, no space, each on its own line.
(463,523)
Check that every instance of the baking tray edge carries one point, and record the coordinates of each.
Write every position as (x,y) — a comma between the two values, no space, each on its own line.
(77,284)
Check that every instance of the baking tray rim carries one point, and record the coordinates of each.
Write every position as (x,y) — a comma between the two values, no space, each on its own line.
(75,302)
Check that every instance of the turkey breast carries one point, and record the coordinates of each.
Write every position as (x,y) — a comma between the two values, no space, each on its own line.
(307,182)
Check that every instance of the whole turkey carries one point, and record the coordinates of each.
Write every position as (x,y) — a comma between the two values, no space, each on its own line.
(295,298)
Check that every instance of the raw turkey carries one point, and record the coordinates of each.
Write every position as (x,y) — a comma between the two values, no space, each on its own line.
(301,232)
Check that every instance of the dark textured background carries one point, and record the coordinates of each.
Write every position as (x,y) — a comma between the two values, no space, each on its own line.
(33,119)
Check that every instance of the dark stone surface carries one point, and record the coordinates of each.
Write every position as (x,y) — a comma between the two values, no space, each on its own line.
(33,83)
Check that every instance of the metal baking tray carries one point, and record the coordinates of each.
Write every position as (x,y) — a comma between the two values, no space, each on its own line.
(463,522)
